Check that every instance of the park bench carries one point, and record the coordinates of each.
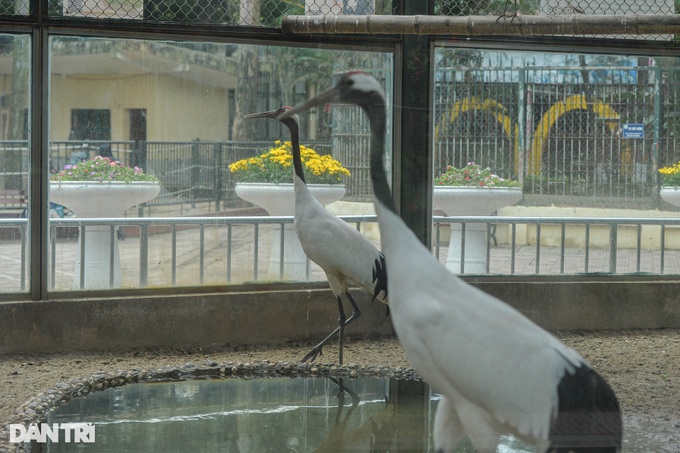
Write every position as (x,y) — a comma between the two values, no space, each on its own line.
(13,204)
(13,201)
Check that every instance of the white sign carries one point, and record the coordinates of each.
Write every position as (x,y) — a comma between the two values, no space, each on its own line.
(40,432)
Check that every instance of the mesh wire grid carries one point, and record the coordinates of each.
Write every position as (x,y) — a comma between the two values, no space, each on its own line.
(269,13)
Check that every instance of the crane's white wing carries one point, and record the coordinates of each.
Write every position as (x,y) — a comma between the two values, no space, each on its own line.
(339,249)
(466,342)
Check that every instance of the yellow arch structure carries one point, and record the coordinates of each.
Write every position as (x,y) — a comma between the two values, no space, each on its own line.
(576,102)
(493,107)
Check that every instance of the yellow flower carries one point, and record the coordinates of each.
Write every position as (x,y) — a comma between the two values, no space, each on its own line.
(671,175)
(274,164)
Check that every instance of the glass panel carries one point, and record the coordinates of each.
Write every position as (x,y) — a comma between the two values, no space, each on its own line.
(15,54)
(175,109)
(15,7)
(585,134)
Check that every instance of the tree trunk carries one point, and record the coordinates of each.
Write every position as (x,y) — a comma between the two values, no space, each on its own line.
(11,158)
(248,76)
(246,92)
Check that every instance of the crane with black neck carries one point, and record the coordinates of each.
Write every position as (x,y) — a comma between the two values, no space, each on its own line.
(345,255)
(498,372)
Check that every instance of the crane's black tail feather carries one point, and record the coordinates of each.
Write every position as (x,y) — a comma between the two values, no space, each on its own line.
(379,278)
(589,417)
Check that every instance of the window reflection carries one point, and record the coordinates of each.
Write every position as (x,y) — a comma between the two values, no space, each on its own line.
(584,134)
(175,109)
(14,162)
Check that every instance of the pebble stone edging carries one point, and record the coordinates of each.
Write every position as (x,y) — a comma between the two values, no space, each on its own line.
(36,409)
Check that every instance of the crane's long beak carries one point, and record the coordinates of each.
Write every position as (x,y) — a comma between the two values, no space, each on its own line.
(269,114)
(324,97)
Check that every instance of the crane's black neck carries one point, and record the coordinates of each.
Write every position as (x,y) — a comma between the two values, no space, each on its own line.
(375,109)
(294,129)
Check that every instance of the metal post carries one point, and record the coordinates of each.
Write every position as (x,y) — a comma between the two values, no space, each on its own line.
(522,119)
(194,171)
(218,162)
(38,215)
(143,256)
(657,128)
(613,241)
(412,155)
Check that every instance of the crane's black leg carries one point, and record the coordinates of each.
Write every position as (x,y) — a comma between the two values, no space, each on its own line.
(341,327)
(343,389)
(341,400)
(317,350)
(356,312)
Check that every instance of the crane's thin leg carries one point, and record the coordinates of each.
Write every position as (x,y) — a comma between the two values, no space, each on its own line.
(341,398)
(317,350)
(341,327)
(356,312)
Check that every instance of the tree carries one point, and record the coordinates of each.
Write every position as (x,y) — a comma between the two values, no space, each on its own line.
(11,161)
(248,75)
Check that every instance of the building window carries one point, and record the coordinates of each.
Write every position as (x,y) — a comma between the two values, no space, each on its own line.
(90,124)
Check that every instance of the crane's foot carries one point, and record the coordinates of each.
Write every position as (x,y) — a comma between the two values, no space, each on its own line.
(313,354)
(343,322)
(318,349)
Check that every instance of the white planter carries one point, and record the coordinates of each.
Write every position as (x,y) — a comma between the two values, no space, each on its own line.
(671,195)
(279,200)
(100,200)
(471,201)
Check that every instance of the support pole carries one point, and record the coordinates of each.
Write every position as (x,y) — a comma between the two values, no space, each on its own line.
(634,24)
(413,156)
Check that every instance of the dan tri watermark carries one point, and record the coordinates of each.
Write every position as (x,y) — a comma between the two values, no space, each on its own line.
(55,432)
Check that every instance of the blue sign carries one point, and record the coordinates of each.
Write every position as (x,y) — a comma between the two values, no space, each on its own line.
(633,131)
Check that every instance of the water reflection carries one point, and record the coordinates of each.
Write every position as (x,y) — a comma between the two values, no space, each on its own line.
(268,415)
(242,415)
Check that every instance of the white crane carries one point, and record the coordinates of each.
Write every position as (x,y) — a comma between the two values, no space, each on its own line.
(345,255)
(498,372)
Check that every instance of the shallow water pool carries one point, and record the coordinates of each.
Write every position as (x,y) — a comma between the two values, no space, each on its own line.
(303,414)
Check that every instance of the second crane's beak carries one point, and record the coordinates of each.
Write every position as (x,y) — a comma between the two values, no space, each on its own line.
(324,97)
(269,114)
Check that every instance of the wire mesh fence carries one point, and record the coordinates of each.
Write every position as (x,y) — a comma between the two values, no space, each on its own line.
(189,172)
(597,144)
(552,7)
(580,135)
(269,13)
(266,13)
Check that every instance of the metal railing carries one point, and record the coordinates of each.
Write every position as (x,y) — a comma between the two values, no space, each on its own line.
(190,172)
(591,132)
(564,130)
(572,245)
(195,251)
